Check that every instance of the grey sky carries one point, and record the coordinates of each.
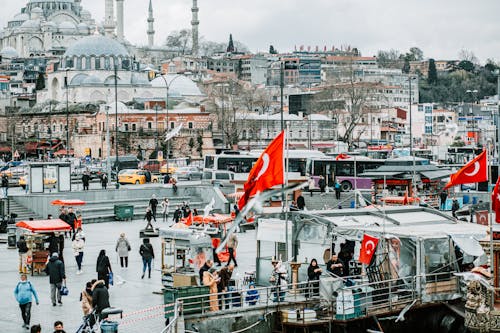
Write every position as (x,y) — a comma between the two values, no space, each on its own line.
(441,28)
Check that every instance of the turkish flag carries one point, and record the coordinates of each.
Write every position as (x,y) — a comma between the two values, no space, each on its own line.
(267,172)
(475,171)
(495,201)
(342,157)
(482,217)
(368,247)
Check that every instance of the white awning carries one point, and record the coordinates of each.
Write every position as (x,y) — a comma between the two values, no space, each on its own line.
(468,244)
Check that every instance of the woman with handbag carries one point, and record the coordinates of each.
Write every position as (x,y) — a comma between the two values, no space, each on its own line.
(123,248)
(77,245)
(103,267)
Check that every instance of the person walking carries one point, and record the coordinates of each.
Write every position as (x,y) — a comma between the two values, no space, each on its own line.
(57,276)
(103,267)
(22,248)
(85,180)
(177,214)
(100,297)
(104,181)
(165,205)
(153,204)
(23,292)
(5,185)
(338,189)
(454,207)
(147,254)
(78,245)
(232,244)
(122,248)
(86,299)
(148,217)
(313,274)
(71,220)
(443,196)
(322,184)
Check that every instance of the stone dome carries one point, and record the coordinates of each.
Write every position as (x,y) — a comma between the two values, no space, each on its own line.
(21,17)
(83,27)
(96,46)
(9,52)
(30,24)
(179,84)
(67,26)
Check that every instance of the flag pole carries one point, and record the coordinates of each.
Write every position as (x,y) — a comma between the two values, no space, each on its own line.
(490,227)
(287,164)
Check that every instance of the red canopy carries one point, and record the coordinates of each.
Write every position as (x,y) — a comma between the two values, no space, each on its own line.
(215,219)
(39,226)
(68,202)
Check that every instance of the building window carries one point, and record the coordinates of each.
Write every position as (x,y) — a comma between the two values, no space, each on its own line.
(126,127)
(134,127)
(172,125)
(150,126)
(190,125)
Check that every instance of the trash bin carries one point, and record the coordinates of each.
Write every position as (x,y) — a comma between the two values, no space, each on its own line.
(11,236)
(124,212)
(109,327)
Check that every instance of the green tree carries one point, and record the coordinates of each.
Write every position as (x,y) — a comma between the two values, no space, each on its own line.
(191,145)
(432,74)
(272,50)
(199,140)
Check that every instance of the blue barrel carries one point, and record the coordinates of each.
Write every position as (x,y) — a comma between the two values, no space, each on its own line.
(353,204)
(466,199)
(109,327)
(474,200)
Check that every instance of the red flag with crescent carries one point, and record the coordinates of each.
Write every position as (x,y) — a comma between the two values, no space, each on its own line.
(495,201)
(267,172)
(368,247)
(342,156)
(476,171)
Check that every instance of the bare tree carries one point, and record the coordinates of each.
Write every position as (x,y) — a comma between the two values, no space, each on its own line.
(180,40)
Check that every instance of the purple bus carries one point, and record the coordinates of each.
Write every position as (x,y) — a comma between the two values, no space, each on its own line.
(343,171)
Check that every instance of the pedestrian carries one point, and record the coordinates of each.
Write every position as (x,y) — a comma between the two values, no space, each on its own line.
(103,267)
(148,217)
(278,277)
(147,254)
(338,189)
(36,328)
(313,274)
(86,298)
(85,180)
(153,203)
(442,198)
(59,327)
(335,265)
(454,207)
(71,219)
(165,205)
(174,184)
(211,279)
(5,185)
(205,268)
(60,240)
(232,244)
(22,248)
(23,292)
(57,276)
(177,214)
(322,184)
(104,181)
(53,241)
(311,185)
(100,297)
(122,248)
(301,202)
(252,294)
(225,276)
(78,245)
(166,179)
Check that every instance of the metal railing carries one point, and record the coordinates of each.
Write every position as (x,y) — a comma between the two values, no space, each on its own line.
(172,325)
(359,300)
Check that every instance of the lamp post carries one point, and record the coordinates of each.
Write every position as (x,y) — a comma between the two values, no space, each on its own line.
(67,112)
(156,124)
(116,124)
(471,113)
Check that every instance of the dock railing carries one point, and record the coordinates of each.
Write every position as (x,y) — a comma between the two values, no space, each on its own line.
(346,302)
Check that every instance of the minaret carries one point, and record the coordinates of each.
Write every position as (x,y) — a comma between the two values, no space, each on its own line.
(109,19)
(119,19)
(151,30)
(194,27)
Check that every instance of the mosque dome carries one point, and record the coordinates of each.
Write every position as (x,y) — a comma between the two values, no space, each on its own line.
(182,85)
(21,17)
(30,24)
(96,46)
(67,26)
(9,52)
(83,27)
(50,25)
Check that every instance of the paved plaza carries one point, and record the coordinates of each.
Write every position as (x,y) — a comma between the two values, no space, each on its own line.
(132,296)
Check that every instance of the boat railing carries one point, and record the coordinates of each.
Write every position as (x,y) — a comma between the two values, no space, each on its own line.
(344,301)
(172,324)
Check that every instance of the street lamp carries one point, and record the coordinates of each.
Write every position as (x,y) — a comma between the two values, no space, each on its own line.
(67,112)
(471,113)
(116,123)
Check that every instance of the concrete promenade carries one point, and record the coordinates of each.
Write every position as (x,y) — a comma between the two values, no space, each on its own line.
(134,295)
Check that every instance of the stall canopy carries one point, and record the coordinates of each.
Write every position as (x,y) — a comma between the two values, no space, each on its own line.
(70,202)
(44,225)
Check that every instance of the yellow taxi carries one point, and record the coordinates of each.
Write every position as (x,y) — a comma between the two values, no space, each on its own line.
(171,169)
(48,181)
(136,176)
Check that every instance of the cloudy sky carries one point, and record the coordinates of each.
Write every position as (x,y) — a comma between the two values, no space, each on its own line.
(441,28)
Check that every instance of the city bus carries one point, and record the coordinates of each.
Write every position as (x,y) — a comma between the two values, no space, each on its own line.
(242,162)
(343,171)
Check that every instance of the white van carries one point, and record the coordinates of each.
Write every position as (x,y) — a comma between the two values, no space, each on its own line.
(220,177)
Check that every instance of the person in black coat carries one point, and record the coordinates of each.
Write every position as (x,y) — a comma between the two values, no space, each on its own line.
(86,181)
(177,214)
(55,271)
(153,203)
(205,268)
(100,297)
(335,265)
(313,273)
(147,254)
(148,217)
(103,267)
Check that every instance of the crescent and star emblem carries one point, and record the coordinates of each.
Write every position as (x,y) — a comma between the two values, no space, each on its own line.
(477,166)
(265,165)
(369,248)
(483,218)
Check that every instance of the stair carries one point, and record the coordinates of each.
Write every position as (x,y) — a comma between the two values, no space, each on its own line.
(22,212)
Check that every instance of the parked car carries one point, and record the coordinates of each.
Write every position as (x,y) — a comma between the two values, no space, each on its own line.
(152,165)
(136,176)
(171,169)
(219,177)
(188,173)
